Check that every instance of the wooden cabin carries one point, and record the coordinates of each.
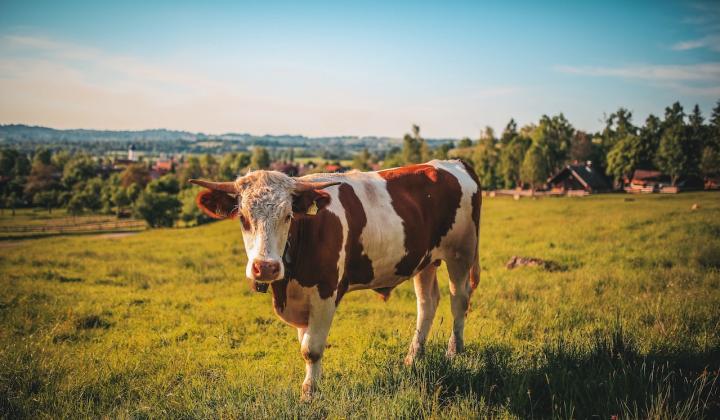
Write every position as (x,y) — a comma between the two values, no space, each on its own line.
(578,180)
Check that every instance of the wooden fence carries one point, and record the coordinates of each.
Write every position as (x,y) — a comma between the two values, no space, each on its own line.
(83,226)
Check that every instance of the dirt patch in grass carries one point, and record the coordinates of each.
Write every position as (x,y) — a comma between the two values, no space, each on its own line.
(91,322)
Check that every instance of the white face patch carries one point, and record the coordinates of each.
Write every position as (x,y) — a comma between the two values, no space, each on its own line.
(265,211)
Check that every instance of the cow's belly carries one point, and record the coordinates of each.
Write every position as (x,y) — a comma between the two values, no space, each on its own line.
(381,283)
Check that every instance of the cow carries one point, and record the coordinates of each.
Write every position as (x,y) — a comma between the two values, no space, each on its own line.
(315,238)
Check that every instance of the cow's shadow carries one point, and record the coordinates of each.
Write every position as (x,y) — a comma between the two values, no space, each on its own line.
(607,378)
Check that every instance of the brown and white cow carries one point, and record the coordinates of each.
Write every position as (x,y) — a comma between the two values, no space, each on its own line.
(317,237)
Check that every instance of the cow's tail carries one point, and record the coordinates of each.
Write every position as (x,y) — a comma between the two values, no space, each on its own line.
(475,274)
(476,204)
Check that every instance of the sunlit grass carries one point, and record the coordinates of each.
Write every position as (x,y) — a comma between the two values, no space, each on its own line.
(163,323)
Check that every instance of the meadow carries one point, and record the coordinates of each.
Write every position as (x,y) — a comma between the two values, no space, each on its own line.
(163,324)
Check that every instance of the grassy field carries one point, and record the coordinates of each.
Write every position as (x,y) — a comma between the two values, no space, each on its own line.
(163,324)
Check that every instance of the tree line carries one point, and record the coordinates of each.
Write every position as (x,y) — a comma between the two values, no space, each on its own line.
(81,184)
(680,145)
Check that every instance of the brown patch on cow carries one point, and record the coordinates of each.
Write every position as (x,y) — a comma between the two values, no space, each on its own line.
(426,199)
(217,204)
(310,356)
(302,201)
(358,267)
(279,288)
(314,247)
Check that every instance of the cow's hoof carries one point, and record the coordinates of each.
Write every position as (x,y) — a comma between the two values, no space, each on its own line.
(455,347)
(307,393)
(410,360)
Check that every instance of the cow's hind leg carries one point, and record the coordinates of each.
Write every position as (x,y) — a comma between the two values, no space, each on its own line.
(460,289)
(312,343)
(428,296)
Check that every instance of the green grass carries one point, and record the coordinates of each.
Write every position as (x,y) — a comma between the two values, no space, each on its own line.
(163,324)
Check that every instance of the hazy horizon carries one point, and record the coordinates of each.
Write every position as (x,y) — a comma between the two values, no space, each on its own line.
(372,69)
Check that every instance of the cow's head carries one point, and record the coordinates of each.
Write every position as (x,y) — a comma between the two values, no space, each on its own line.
(265,202)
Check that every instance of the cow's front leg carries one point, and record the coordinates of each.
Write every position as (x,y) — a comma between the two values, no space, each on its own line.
(313,341)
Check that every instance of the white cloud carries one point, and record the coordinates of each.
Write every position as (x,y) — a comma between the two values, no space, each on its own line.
(88,60)
(711,42)
(707,72)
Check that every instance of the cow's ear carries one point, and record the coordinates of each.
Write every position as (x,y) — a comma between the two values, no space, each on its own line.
(217,204)
(309,202)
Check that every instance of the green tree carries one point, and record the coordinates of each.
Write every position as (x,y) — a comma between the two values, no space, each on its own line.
(42,178)
(158,209)
(465,142)
(7,161)
(624,157)
(617,126)
(650,135)
(509,133)
(581,148)
(166,184)
(361,161)
(75,205)
(121,199)
(512,156)
(672,157)
(443,150)
(232,165)
(78,169)
(710,158)
(136,173)
(209,166)
(43,156)
(89,194)
(190,213)
(260,158)
(13,201)
(696,133)
(191,169)
(413,150)
(59,159)
(553,135)
(46,199)
(534,171)
(485,158)
(159,205)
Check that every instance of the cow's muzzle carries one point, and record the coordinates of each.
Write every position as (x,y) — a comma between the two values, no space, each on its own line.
(265,270)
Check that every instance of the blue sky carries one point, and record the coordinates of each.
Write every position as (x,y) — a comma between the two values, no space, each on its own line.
(370,68)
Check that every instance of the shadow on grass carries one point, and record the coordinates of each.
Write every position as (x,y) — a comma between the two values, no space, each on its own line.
(560,380)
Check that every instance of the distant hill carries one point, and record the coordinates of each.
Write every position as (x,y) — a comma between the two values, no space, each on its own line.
(27,138)
(18,132)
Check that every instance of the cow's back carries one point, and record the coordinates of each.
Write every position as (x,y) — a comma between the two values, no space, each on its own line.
(397,221)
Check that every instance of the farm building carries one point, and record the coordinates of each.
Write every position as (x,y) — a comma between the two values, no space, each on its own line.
(573,179)
(647,181)
(712,183)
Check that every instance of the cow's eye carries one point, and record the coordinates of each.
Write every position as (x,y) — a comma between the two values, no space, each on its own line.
(244,222)
(288,217)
